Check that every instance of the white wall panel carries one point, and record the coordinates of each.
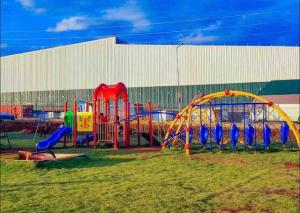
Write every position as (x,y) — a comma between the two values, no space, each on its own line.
(85,65)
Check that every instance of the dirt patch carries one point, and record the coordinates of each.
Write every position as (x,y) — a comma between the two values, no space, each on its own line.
(289,193)
(242,162)
(143,149)
(291,165)
(291,175)
(205,159)
(239,209)
(234,161)
(27,131)
(221,160)
(243,190)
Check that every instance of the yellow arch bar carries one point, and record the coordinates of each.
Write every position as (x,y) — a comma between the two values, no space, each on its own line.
(188,110)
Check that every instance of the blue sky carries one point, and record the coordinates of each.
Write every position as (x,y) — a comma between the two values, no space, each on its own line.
(28,25)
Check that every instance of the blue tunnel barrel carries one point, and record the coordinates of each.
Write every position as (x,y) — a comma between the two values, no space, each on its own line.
(284,132)
(249,134)
(234,135)
(218,133)
(172,134)
(203,134)
(267,135)
(191,134)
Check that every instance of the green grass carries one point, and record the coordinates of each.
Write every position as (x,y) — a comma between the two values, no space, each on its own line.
(18,140)
(126,181)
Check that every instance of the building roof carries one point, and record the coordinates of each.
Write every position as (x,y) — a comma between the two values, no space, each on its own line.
(281,87)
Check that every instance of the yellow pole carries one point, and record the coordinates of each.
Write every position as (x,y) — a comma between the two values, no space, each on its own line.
(187,130)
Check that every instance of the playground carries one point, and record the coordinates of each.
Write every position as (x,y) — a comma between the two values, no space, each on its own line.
(229,151)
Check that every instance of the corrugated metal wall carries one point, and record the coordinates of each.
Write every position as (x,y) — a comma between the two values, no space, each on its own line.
(85,65)
(237,64)
(163,96)
(47,77)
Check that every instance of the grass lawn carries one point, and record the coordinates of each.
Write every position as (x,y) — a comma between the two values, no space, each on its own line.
(129,181)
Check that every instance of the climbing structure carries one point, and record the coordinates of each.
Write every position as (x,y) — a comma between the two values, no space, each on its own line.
(106,124)
(252,114)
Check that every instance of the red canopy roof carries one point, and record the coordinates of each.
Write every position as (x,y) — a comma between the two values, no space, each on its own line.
(111,92)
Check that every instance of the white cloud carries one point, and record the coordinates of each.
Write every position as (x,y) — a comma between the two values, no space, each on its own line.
(212,26)
(198,36)
(3,45)
(40,10)
(30,5)
(26,3)
(129,12)
(73,23)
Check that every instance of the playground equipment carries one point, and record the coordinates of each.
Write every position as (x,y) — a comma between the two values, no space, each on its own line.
(109,125)
(142,124)
(53,139)
(75,123)
(105,128)
(225,126)
(3,129)
(102,125)
(107,119)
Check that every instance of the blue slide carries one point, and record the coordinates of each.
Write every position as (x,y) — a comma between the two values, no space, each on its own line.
(53,139)
(82,140)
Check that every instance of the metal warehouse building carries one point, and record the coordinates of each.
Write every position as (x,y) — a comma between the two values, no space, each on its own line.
(156,72)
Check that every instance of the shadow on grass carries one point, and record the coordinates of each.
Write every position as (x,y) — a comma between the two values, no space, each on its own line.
(18,187)
(82,162)
(79,163)
(259,148)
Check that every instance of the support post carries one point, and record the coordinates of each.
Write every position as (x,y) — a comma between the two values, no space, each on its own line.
(210,127)
(125,123)
(187,130)
(264,115)
(128,123)
(106,108)
(87,106)
(244,124)
(200,115)
(95,120)
(138,123)
(150,124)
(115,138)
(105,126)
(254,112)
(221,121)
(65,106)
(75,125)
(65,111)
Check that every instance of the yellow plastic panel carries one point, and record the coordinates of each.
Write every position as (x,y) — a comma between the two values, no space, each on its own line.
(84,121)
